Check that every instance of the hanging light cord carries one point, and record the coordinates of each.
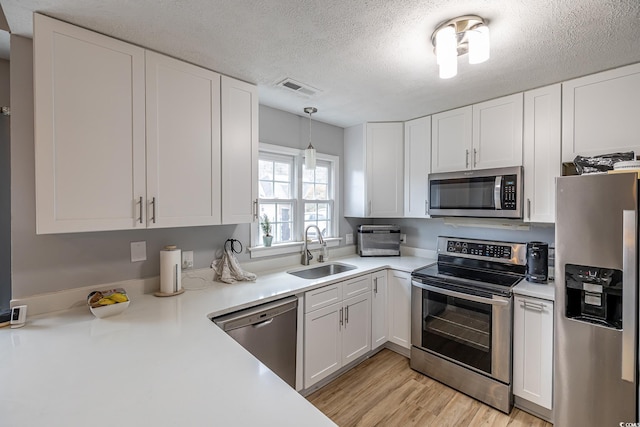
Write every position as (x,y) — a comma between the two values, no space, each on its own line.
(310,146)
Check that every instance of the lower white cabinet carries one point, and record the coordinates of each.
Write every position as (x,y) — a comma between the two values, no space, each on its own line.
(379,311)
(338,333)
(533,350)
(399,306)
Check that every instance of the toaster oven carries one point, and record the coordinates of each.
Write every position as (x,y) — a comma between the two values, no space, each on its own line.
(379,240)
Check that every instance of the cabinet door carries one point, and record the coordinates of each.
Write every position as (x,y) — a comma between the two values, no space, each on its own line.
(322,343)
(355,163)
(239,151)
(533,350)
(417,165)
(379,315)
(600,113)
(356,333)
(385,165)
(451,140)
(542,163)
(399,291)
(497,133)
(183,143)
(89,130)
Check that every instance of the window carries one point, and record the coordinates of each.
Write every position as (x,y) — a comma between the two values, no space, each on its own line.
(293,197)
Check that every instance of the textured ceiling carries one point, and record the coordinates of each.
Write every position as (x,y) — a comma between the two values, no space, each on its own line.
(372,60)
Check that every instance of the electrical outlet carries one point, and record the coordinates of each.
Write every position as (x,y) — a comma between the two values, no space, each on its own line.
(349,239)
(403,238)
(187,259)
(138,251)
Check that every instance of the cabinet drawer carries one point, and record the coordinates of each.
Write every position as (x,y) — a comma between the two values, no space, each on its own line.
(322,297)
(356,286)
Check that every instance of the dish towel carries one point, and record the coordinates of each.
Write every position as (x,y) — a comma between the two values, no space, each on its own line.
(227,269)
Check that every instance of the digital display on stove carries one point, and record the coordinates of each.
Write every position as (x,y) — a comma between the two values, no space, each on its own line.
(480,249)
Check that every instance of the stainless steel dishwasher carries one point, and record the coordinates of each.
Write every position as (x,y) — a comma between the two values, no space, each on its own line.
(269,332)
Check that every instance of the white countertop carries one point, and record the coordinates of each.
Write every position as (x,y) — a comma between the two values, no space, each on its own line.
(160,363)
(545,291)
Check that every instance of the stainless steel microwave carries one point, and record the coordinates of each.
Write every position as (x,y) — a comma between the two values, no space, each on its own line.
(485,193)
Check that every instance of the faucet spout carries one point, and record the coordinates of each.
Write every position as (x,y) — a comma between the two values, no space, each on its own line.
(306,253)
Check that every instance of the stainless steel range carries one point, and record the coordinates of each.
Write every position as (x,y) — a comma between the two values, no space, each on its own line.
(461,317)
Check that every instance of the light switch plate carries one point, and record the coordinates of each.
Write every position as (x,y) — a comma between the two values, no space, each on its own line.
(138,251)
(187,259)
(349,239)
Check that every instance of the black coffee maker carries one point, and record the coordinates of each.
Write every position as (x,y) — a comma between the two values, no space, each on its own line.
(537,262)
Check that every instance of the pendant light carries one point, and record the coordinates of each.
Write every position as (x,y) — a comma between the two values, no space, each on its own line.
(310,152)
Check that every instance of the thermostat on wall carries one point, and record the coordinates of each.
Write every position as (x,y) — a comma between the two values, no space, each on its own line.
(18,316)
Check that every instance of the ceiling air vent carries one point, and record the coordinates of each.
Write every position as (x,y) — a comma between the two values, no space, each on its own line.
(301,88)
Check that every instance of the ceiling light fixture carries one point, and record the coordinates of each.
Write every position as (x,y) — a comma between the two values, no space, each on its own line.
(465,34)
(310,152)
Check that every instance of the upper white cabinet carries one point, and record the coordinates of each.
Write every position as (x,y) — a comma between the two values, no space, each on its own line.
(533,350)
(374,176)
(600,113)
(183,143)
(239,151)
(417,165)
(542,163)
(379,312)
(451,140)
(118,147)
(497,133)
(89,130)
(485,135)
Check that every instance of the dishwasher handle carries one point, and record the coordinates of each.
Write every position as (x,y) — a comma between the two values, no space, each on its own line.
(257,316)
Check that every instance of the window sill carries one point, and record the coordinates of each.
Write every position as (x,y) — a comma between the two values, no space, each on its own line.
(289,248)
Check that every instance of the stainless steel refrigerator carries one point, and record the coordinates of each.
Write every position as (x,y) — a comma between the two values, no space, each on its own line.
(596,276)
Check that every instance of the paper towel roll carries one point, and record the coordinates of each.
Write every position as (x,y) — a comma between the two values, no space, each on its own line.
(170,270)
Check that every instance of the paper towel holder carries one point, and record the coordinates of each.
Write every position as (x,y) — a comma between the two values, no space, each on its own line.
(178,292)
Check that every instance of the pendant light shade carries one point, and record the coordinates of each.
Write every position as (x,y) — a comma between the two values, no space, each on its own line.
(310,152)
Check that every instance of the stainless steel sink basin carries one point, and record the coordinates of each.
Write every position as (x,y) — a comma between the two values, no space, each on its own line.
(322,270)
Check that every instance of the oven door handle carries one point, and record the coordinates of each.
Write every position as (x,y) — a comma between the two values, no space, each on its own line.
(496,300)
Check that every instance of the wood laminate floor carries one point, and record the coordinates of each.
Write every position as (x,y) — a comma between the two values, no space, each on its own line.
(385,391)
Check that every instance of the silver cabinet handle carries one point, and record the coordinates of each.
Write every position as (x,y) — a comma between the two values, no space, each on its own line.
(341,318)
(529,208)
(140,203)
(475,157)
(629,258)
(466,159)
(255,209)
(153,211)
(346,316)
(537,306)
(375,285)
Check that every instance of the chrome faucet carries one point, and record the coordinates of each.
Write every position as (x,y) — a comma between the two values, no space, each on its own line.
(306,253)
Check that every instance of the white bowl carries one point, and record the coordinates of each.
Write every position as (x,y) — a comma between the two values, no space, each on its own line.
(109,310)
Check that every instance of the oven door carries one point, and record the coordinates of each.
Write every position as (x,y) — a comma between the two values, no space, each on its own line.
(470,330)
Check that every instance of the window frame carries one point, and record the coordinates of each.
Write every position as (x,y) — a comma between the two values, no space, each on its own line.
(256,248)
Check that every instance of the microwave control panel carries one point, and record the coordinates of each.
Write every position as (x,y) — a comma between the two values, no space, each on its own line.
(509,195)
(480,249)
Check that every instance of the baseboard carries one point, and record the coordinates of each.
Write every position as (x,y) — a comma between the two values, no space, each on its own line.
(533,409)
(398,349)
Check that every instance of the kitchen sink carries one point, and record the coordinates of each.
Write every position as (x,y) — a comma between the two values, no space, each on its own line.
(322,270)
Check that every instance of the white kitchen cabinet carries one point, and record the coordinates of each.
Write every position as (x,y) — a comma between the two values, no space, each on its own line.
(542,152)
(336,333)
(497,133)
(399,294)
(600,113)
(239,151)
(379,311)
(89,130)
(183,143)
(417,165)
(451,140)
(482,136)
(374,170)
(533,350)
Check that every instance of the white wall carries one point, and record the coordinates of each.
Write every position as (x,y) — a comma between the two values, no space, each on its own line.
(49,263)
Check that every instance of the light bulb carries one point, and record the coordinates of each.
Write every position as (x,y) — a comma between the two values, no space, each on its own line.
(446,44)
(479,48)
(449,68)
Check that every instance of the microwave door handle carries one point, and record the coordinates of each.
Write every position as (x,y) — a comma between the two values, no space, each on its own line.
(629,257)
(493,301)
(497,193)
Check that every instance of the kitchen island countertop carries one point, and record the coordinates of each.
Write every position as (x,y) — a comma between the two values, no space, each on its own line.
(160,363)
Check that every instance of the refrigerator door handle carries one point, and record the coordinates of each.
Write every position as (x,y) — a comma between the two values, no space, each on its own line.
(629,277)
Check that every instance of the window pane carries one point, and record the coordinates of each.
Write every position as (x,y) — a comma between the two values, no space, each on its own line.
(282,172)
(266,169)
(322,175)
(307,175)
(324,227)
(285,212)
(282,191)
(307,191)
(266,190)
(269,209)
(323,211)
(321,192)
(284,233)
